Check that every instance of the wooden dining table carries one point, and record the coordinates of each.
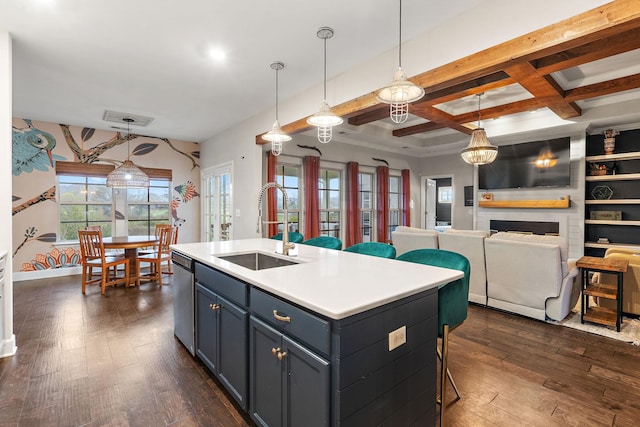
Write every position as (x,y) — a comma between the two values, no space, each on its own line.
(130,244)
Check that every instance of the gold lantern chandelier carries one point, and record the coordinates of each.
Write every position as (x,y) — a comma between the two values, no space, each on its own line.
(479,151)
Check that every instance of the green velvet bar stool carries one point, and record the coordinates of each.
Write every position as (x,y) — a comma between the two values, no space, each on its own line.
(293,237)
(324,242)
(453,301)
(378,249)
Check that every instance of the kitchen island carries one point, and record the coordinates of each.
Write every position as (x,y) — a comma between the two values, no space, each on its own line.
(335,338)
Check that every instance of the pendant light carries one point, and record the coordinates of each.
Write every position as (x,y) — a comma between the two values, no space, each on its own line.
(276,135)
(127,175)
(324,119)
(479,151)
(401,91)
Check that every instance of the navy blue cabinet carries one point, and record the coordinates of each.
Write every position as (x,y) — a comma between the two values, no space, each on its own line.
(290,384)
(289,366)
(221,336)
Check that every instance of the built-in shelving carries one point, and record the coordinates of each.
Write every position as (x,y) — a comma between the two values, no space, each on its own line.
(523,204)
(613,202)
(597,245)
(618,177)
(610,222)
(612,157)
(624,185)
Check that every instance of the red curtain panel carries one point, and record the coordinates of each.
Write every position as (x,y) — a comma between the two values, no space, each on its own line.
(406,197)
(382,173)
(311,167)
(353,233)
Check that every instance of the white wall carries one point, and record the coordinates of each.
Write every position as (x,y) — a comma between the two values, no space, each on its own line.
(7,338)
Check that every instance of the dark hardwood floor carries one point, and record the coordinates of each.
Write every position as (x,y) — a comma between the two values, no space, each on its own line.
(113,361)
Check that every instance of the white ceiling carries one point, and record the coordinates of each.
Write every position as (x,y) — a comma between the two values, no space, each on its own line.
(74,59)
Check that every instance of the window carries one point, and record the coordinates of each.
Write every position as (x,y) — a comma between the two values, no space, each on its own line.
(147,207)
(395,203)
(367,213)
(445,194)
(329,201)
(289,177)
(84,201)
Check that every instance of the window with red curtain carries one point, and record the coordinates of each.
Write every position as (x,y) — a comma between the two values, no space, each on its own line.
(272,202)
(329,198)
(406,197)
(289,176)
(311,169)
(366,185)
(382,227)
(395,203)
(352,234)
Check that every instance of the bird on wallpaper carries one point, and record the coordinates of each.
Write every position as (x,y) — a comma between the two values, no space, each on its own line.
(187,191)
(32,149)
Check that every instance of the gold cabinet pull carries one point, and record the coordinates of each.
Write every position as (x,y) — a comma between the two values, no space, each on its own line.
(281,318)
(275,351)
(214,306)
(282,355)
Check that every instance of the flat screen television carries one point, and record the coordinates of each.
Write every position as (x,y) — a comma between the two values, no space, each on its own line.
(531,164)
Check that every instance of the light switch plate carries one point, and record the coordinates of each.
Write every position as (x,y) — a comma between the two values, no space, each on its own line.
(397,338)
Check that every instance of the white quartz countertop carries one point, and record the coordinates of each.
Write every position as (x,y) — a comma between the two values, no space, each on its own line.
(333,283)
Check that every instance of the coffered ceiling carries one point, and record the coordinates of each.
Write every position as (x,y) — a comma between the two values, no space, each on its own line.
(571,72)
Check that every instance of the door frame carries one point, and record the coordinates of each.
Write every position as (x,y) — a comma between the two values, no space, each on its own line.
(423,202)
(205,175)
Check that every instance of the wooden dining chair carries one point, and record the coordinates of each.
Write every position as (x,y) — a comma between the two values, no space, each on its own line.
(94,257)
(155,260)
(153,249)
(174,240)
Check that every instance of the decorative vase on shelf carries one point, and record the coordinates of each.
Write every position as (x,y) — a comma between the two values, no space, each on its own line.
(610,141)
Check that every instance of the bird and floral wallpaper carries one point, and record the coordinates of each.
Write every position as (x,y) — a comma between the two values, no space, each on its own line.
(37,146)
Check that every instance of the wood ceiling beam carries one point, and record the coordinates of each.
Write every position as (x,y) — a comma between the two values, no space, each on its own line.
(604,48)
(370,116)
(543,87)
(438,116)
(460,91)
(421,128)
(603,88)
(604,21)
(516,107)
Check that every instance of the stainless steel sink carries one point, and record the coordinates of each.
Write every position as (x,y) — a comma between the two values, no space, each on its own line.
(257,260)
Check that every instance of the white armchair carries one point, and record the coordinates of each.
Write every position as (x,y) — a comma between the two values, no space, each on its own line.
(469,243)
(531,275)
(406,239)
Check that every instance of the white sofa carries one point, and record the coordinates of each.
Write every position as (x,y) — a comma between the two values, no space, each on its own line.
(407,239)
(531,275)
(469,243)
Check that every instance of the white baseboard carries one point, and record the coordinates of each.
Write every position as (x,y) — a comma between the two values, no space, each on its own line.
(8,347)
(45,274)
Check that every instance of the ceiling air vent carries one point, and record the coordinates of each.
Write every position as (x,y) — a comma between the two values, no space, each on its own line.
(117,117)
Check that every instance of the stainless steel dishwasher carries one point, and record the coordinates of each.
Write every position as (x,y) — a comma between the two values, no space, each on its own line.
(183,300)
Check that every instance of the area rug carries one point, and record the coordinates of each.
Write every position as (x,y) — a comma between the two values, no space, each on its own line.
(629,330)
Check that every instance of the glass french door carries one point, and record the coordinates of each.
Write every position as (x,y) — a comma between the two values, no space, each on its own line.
(217,203)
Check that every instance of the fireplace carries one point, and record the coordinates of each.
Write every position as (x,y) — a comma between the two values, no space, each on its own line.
(532,227)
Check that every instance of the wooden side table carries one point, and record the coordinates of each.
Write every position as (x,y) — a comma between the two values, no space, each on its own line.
(601,315)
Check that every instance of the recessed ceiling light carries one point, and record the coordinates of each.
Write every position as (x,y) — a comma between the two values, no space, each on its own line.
(217,54)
